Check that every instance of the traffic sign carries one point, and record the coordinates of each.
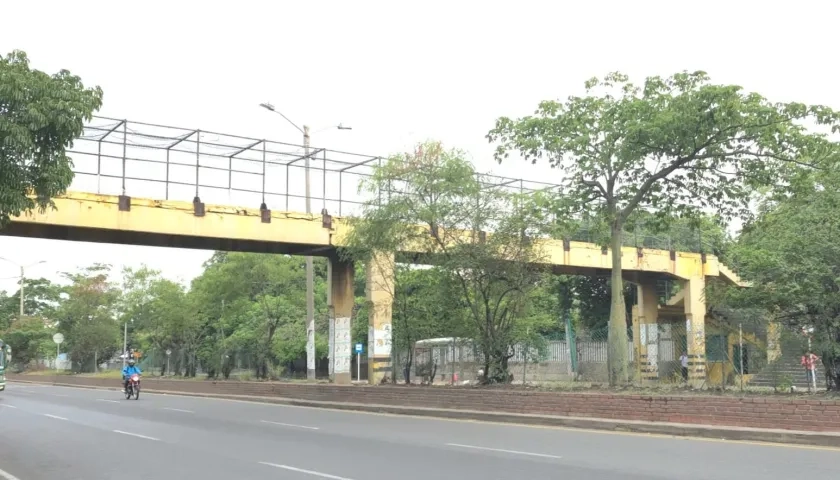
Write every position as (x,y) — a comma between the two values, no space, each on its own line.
(168,352)
(58,338)
(360,348)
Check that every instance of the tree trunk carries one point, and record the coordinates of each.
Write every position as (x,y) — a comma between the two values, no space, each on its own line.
(617,359)
(408,363)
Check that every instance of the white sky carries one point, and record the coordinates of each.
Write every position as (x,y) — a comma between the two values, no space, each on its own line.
(397,72)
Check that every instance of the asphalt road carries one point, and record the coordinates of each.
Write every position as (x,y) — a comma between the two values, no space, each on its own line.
(55,432)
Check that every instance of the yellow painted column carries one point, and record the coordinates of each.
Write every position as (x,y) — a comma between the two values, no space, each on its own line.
(638,346)
(380,297)
(695,329)
(647,310)
(341,312)
(774,346)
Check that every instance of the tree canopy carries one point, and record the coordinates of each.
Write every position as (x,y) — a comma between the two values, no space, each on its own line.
(674,146)
(474,231)
(40,116)
(791,255)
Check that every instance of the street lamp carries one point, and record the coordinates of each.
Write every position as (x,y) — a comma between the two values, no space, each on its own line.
(310,281)
(22,278)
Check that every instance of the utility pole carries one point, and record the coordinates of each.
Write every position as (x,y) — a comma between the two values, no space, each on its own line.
(125,343)
(22,278)
(310,275)
(310,280)
(22,281)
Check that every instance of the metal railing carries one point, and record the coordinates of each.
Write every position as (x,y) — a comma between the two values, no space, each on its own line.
(115,156)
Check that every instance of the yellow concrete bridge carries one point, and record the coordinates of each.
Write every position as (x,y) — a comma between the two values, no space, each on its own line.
(136,221)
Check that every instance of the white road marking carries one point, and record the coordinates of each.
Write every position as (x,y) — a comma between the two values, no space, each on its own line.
(501,450)
(137,435)
(54,416)
(290,425)
(58,395)
(178,410)
(109,401)
(308,472)
(7,406)
(7,475)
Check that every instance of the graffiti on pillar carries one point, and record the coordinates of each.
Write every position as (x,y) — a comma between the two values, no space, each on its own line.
(653,345)
(343,339)
(382,340)
(310,348)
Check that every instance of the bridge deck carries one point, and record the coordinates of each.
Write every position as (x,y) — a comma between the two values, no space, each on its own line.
(97,218)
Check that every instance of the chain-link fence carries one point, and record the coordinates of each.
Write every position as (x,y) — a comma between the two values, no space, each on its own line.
(722,355)
(457,360)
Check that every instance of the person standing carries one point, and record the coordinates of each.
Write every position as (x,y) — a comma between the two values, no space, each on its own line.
(684,366)
(809,361)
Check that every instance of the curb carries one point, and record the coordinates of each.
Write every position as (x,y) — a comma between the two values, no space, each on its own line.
(743,434)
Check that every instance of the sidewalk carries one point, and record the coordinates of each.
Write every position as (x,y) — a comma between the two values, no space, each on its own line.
(824,439)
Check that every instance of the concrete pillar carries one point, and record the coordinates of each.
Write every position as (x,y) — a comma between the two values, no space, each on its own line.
(380,296)
(341,311)
(695,331)
(646,331)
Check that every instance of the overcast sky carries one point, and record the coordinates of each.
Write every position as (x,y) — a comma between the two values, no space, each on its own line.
(397,72)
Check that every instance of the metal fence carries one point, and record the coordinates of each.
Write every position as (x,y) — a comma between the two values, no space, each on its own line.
(115,157)
(737,357)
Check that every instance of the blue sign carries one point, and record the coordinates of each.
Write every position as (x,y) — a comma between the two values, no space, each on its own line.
(359,348)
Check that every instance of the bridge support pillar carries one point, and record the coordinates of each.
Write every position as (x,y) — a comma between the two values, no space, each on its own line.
(695,331)
(379,289)
(341,302)
(646,332)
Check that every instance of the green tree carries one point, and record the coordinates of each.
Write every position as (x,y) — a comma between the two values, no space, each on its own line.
(88,316)
(244,301)
(40,116)
(677,145)
(157,312)
(30,340)
(475,232)
(40,299)
(423,309)
(792,257)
